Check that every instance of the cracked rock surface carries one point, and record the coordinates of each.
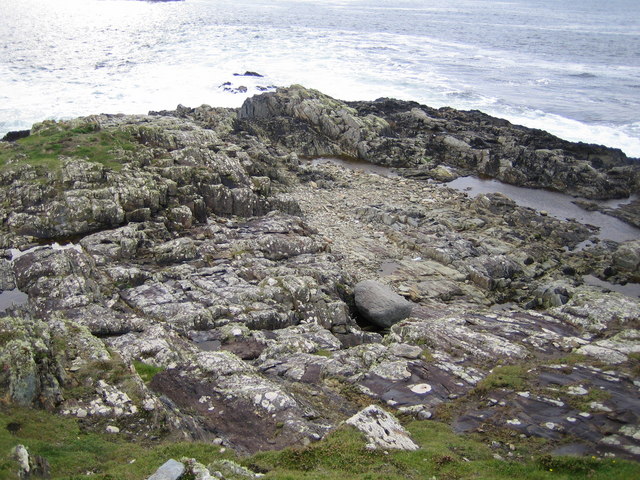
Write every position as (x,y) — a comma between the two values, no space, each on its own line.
(220,256)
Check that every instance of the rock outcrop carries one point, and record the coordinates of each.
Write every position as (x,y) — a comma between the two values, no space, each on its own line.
(209,252)
(422,140)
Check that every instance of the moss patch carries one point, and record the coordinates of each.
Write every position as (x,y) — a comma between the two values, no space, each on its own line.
(509,376)
(52,140)
(583,402)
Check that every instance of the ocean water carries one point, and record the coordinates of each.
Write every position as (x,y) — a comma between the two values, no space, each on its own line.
(571,67)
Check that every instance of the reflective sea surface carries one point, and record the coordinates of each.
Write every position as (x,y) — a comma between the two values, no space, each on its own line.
(567,66)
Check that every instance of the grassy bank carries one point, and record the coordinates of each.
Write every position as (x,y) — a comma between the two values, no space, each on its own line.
(74,454)
(52,140)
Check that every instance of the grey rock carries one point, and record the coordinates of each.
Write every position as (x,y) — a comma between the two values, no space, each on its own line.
(30,466)
(178,250)
(392,132)
(379,304)
(554,295)
(113,245)
(232,469)
(20,454)
(237,280)
(170,470)
(382,430)
(627,257)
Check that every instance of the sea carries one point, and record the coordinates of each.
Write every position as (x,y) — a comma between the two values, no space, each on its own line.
(571,67)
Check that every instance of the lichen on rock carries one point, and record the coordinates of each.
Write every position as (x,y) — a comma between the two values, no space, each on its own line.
(210,282)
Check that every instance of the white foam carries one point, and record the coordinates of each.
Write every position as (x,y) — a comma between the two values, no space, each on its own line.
(625,137)
(146,56)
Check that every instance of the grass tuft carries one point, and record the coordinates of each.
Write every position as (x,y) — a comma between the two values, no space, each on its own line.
(508,376)
(146,371)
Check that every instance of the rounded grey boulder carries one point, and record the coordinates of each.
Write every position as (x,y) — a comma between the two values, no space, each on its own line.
(380,305)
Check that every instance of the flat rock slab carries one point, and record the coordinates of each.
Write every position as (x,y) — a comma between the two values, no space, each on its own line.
(381,429)
(170,470)
(380,305)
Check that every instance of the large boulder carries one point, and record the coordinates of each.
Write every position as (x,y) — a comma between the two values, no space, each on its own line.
(380,305)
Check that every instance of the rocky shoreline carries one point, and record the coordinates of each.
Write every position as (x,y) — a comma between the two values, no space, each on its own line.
(204,244)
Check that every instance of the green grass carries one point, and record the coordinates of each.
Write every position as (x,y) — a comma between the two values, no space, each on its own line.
(427,356)
(583,402)
(573,359)
(508,376)
(443,455)
(634,363)
(342,455)
(44,147)
(146,371)
(72,453)
(321,352)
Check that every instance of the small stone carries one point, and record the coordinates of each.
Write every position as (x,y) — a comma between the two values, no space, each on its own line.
(425,415)
(631,431)
(112,429)
(404,350)
(599,407)
(611,440)
(577,390)
(420,388)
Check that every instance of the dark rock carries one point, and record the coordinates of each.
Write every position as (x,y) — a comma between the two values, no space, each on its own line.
(471,141)
(248,74)
(16,135)
(245,349)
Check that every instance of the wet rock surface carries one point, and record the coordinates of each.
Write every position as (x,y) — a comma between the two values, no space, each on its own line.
(216,255)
